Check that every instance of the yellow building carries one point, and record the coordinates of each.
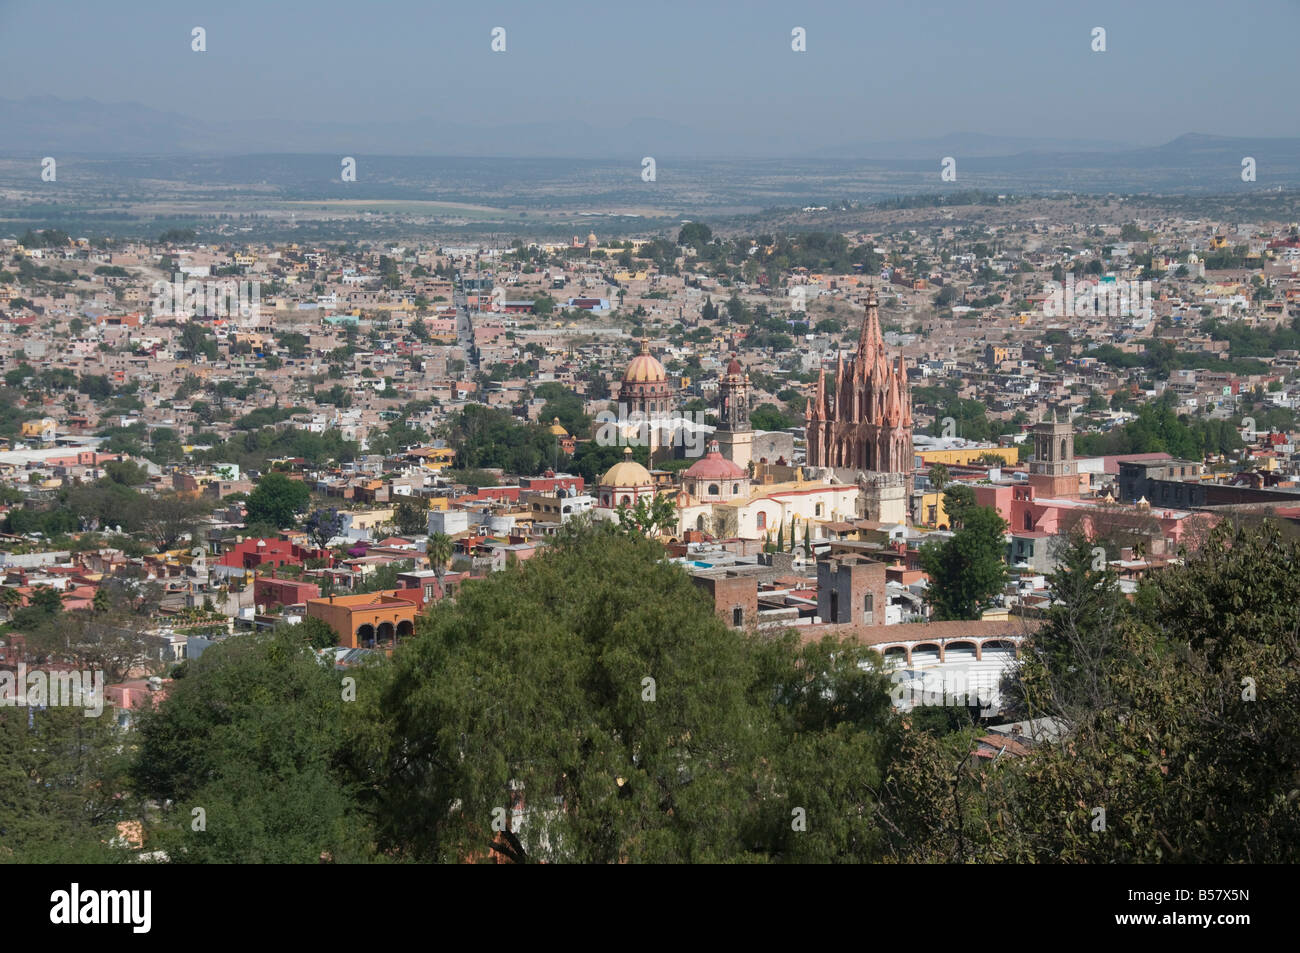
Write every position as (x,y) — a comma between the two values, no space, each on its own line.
(367,520)
(967,456)
(932,511)
(42,430)
(434,458)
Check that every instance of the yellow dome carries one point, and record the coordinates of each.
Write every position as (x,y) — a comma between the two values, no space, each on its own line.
(627,473)
(644,369)
(556,429)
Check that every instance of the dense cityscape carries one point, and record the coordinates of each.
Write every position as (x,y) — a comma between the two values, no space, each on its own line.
(899,442)
(949,521)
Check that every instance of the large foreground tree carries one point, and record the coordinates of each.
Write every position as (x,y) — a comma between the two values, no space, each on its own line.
(1186,751)
(62,786)
(591,700)
(244,749)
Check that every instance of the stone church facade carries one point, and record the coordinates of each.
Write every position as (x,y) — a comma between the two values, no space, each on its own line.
(865,421)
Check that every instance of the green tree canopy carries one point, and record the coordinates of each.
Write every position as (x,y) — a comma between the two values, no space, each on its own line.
(695,233)
(490,437)
(969,569)
(253,734)
(62,786)
(624,718)
(770,417)
(277,500)
(411,517)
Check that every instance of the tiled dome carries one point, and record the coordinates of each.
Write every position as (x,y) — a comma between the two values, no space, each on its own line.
(714,466)
(645,369)
(627,472)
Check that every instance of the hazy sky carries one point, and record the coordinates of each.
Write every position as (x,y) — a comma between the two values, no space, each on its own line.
(872,71)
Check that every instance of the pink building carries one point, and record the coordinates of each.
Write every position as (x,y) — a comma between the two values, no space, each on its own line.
(1026,512)
(137,693)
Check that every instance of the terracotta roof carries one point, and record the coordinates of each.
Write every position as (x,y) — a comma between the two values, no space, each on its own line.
(991,745)
(1111,464)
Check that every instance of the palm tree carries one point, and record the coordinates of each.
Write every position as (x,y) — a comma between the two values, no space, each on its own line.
(439,550)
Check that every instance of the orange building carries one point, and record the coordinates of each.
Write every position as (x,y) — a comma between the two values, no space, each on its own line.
(370,620)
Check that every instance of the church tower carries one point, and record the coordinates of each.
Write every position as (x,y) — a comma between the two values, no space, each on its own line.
(864,422)
(734,436)
(1053,471)
(646,397)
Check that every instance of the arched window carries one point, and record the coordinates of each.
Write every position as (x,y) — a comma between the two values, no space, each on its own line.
(699,522)
(735,488)
(762,520)
(1062,448)
(713,489)
(627,499)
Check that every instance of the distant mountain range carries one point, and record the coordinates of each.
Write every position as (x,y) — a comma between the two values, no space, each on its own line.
(967,144)
(534,164)
(48,125)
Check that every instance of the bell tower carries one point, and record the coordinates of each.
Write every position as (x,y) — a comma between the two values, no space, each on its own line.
(1053,471)
(734,436)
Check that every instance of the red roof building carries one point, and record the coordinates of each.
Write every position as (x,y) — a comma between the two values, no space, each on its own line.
(270,591)
(252,553)
(550,481)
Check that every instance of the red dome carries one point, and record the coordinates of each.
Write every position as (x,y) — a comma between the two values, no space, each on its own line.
(714,466)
